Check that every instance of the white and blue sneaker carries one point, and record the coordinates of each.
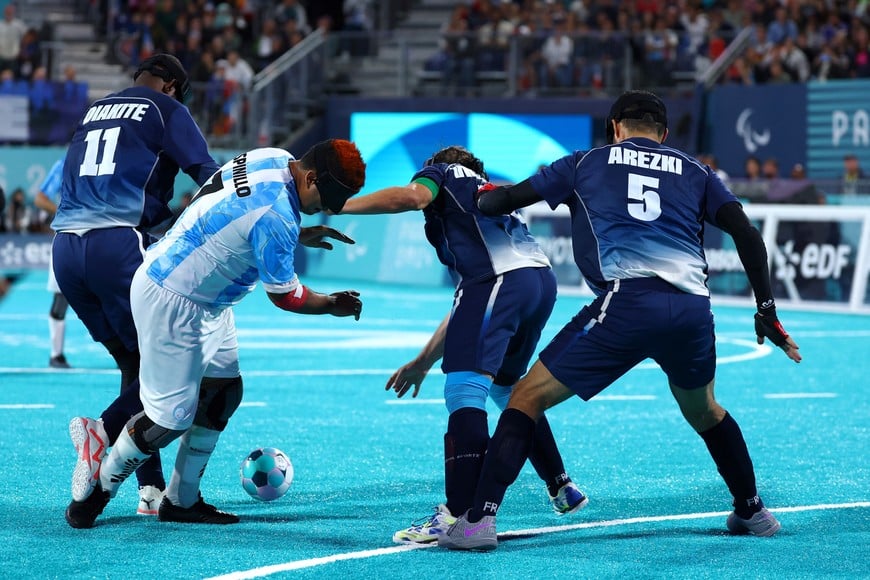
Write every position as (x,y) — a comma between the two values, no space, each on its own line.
(465,535)
(762,523)
(428,529)
(568,499)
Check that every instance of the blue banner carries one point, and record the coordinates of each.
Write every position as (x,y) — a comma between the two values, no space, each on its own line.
(767,121)
(395,145)
(838,121)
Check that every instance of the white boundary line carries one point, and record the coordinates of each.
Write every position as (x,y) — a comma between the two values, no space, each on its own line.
(313,562)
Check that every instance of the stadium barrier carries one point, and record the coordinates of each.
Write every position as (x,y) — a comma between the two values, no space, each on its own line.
(819,255)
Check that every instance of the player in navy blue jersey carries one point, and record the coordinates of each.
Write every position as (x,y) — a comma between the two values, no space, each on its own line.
(505,291)
(637,212)
(118,181)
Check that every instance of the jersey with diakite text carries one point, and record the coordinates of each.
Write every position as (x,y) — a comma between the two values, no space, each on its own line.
(637,211)
(241,227)
(473,246)
(123,158)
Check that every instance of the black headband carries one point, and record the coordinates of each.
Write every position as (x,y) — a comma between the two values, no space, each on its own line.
(333,193)
(169,69)
(640,105)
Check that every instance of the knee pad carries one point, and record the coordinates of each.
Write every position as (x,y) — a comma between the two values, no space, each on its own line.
(148,436)
(58,307)
(466,389)
(218,400)
(500,395)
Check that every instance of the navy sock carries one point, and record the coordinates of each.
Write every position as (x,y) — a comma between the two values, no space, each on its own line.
(117,414)
(464,448)
(546,459)
(508,451)
(728,449)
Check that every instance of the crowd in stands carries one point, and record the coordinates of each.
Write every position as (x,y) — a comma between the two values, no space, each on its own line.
(586,44)
(222,44)
(54,104)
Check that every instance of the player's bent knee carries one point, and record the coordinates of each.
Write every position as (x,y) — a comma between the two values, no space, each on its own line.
(150,437)
(500,395)
(59,307)
(218,400)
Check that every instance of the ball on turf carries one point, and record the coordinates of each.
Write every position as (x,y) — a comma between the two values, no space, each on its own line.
(266,473)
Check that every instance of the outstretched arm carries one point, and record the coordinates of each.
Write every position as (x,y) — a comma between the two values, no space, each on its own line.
(753,255)
(506,199)
(413,373)
(305,301)
(413,196)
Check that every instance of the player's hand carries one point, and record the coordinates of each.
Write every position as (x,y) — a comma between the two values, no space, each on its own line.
(767,325)
(313,237)
(409,375)
(346,303)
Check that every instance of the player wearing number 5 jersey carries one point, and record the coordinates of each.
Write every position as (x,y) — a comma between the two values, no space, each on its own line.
(117,184)
(637,215)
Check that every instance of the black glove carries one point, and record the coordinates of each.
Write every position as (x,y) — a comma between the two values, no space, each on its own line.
(346,303)
(768,325)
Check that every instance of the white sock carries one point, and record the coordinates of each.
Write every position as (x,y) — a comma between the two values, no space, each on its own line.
(121,461)
(56,330)
(194,450)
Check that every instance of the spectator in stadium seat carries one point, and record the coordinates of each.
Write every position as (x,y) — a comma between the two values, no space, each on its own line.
(12,31)
(853,179)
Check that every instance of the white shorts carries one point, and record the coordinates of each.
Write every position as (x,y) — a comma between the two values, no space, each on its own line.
(180,342)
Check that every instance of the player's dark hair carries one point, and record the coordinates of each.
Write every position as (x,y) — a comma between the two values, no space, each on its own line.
(645,109)
(168,68)
(461,156)
(340,169)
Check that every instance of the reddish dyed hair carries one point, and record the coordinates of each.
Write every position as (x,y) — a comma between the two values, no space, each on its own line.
(341,158)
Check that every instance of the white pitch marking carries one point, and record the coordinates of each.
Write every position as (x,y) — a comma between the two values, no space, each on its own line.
(313,562)
(27,406)
(253,404)
(415,401)
(800,395)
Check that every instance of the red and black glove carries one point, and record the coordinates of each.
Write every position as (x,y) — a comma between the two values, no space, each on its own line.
(767,325)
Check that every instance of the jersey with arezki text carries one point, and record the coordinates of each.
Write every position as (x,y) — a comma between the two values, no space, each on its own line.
(637,211)
(473,246)
(123,158)
(240,228)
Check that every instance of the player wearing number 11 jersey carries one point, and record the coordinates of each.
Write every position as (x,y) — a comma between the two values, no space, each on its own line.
(117,183)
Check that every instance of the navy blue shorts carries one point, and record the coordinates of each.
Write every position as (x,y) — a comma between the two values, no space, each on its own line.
(636,319)
(94,273)
(495,325)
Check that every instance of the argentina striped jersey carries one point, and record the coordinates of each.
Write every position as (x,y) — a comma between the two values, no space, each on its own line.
(242,226)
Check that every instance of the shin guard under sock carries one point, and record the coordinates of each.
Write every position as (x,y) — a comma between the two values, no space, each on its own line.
(121,461)
(728,450)
(464,448)
(507,452)
(194,450)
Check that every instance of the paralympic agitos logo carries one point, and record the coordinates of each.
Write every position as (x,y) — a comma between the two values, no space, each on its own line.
(752,139)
